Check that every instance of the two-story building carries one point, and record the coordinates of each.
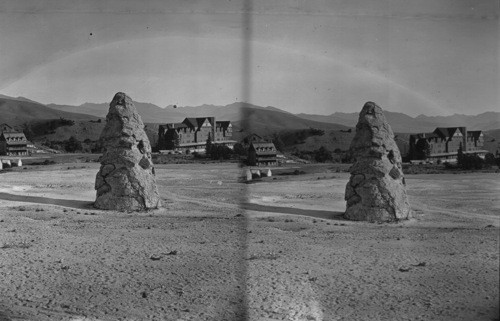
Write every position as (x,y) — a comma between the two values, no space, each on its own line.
(12,142)
(262,154)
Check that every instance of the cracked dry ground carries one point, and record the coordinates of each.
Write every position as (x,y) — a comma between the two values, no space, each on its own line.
(284,254)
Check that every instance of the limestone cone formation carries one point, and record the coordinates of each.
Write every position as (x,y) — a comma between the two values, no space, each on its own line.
(126,180)
(376,191)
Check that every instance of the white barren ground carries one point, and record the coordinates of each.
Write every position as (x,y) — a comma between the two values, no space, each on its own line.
(60,259)
(290,256)
(441,265)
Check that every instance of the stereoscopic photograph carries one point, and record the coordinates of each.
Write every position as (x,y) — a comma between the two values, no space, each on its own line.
(249,160)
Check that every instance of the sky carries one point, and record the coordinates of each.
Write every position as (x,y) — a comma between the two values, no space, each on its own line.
(433,57)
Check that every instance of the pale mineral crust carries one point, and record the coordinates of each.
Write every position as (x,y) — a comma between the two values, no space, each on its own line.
(126,180)
(376,191)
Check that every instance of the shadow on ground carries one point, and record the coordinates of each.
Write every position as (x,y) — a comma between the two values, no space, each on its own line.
(328,215)
(46,200)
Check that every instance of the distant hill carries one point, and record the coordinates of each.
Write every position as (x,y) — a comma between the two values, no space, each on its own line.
(403,123)
(492,140)
(279,119)
(246,119)
(151,113)
(17,111)
(485,121)
(268,121)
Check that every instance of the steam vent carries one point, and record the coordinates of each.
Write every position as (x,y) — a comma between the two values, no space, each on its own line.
(376,191)
(126,180)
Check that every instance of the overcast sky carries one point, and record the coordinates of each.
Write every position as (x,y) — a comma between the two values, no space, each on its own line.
(435,57)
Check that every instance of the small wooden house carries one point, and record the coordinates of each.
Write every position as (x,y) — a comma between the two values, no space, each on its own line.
(262,154)
(13,143)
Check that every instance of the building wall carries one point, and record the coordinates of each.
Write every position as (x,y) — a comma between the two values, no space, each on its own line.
(189,135)
(455,142)
(440,145)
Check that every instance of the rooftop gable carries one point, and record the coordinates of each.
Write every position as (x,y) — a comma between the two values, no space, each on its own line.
(475,133)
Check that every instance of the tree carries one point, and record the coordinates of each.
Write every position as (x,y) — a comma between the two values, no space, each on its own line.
(177,140)
(208,145)
(489,159)
(28,132)
(240,150)
(73,144)
(278,142)
(170,142)
(460,156)
(422,149)
(220,152)
(322,155)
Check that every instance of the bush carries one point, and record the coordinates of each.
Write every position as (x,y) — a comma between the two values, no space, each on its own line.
(322,155)
(468,161)
(289,138)
(448,165)
(238,149)
(220,152)
(489,159)
(72,145)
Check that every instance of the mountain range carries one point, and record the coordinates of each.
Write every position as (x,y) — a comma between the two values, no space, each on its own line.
(273,119)
(246,117)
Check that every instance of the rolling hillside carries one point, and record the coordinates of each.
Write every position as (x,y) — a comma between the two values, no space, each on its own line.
(403,123)
(268,121)
(246,119)
(150,113)
(17,111)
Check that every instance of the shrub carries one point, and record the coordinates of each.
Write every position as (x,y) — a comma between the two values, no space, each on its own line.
(467,161)
(322,155)
(238,149)
(72,145)
(448,165)
(489,159)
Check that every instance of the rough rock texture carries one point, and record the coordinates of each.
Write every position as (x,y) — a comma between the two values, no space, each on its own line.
(126,180)
(376,191)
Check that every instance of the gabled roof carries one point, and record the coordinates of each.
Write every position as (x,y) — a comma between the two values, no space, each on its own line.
(252,137)
(443,132)
(474,133)
(14,137)
(191,123)
(5,128)
(262,145)
(196,123)
(263,148)
(448,132)
(222,124)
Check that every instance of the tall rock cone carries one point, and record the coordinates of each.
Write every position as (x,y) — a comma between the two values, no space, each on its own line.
(376,191)
(126,180)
